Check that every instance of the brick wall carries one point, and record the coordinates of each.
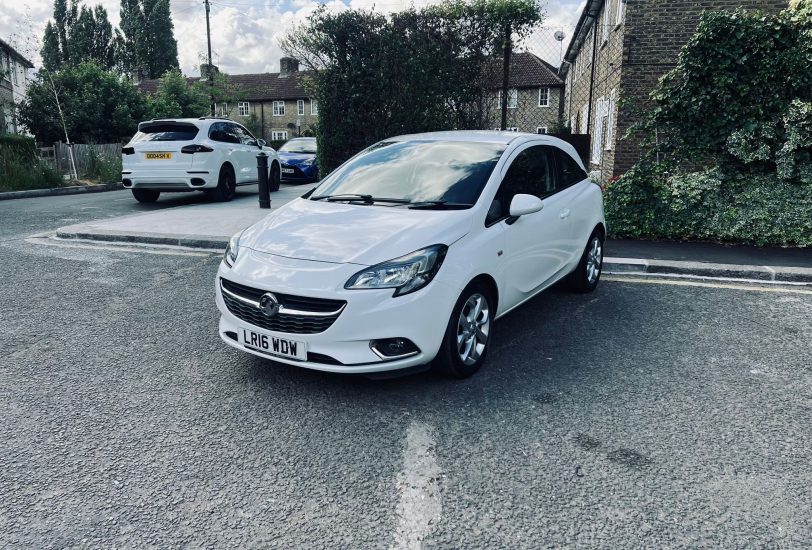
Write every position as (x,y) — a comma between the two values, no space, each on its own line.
(528,116)
(267,122)
(655,32)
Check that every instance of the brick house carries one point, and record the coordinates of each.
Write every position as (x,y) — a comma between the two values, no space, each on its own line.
(618,52)
(535,95)
(275,106)
(13,85)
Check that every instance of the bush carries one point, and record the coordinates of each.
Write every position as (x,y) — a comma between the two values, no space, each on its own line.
(21,167)
(101,169)
(712,205)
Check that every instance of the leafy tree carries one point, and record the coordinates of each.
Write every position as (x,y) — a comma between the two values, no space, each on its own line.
(78,35)
(176,98)
(148,46)
(99,106)
(417,70)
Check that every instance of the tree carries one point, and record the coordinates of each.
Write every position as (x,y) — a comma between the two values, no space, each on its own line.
(148,46)
(176,98)
(413,71)
(99,107)
(78,35)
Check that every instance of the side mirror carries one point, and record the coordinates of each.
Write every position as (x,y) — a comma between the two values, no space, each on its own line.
(261,143)
(522,205)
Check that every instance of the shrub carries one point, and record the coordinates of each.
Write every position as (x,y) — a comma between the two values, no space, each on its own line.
(710,205)
(21,167)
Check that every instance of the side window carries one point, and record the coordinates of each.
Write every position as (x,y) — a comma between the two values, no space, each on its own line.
(217,132)
(232,133)
(531,173)
(569,171)
(244,135)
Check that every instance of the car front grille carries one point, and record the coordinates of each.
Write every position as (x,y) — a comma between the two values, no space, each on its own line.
(297,315)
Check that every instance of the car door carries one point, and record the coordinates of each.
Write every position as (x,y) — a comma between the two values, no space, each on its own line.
(245,153)
(578,192)
(536,244)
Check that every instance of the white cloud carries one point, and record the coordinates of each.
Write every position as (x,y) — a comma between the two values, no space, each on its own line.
(245,33)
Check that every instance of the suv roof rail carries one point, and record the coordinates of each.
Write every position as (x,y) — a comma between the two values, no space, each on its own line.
(213,118)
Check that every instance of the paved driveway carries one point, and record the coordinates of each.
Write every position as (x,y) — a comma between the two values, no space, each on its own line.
(656,415)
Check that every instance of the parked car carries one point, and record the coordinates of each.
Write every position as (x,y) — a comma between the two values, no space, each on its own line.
(298,158)
(193,154)
(409,251)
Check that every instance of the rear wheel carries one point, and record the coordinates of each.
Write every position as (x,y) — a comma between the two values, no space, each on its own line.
(468,333)
(586,276)
(146,195)
(274,178)
(226,186)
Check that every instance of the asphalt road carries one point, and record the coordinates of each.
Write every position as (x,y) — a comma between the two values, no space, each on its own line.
(643,415)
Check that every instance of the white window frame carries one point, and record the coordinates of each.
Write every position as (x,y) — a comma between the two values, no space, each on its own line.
(277,135)
(278,107)
(601,114)
(607,11)
(244,108)
(14,72)
(541,129)
(222,109)
(300,107)
(546,102)
(513,98)
(314,107)
(610,122)
(512,129)
(584,122)
(620,10)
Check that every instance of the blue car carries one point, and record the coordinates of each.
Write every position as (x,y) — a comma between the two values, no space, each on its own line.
(298,158)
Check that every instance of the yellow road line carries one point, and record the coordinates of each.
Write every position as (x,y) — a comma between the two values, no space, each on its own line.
(672,282)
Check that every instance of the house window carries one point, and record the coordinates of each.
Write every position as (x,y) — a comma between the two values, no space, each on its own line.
(512,99)
(601,114)
(541,129)
(610,121)
(244,108)
(584,127)
(278,135)
(278,108)
(621,8)
(544,97)
(314,107)
(607,10)
(300,107)
(14,72)
(512,129)
(222,109)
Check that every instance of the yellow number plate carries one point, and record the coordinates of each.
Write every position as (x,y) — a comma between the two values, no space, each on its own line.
(158,156)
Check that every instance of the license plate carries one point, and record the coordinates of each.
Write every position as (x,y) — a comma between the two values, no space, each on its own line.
(273,345)
(287,170)
(158,156)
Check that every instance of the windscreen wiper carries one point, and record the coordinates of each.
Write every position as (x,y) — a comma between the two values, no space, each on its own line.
(438,205)
(352,197)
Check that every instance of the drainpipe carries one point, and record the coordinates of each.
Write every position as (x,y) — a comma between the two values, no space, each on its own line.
(592,71)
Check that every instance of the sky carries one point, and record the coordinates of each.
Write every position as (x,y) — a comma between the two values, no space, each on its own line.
(246,33)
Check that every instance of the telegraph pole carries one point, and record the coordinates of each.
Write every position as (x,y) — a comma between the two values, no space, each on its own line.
(210,75)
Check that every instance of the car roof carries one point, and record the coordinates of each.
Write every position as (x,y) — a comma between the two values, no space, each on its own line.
(198,121)
(481,136)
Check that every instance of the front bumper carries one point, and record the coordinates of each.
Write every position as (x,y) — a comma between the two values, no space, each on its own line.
(421,317)
(169,180)
(300,173)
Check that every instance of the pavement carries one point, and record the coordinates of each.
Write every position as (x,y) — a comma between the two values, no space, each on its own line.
(656,412)
(202,224)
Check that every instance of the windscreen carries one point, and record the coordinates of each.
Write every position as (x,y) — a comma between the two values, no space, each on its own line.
(166,131)
(299,146)
(448,171)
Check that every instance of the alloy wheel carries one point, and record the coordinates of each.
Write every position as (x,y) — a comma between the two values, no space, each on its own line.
(594,261)
(473,327)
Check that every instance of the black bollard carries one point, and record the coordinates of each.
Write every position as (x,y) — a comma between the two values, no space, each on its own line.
(264,191)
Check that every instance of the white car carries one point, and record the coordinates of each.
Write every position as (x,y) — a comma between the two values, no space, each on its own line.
(409,252)
(193,154)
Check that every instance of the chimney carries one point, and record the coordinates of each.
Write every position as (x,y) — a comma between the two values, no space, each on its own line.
(288,65)
(207,71)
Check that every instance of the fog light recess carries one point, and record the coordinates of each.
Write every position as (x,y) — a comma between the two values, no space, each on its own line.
(394,348)
(197,182)
(126,183)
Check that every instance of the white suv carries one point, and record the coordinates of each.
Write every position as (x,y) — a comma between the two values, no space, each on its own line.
(193,154)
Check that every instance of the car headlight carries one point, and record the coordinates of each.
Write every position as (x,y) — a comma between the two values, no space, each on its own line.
(405,274)
(232,250)
(308,162)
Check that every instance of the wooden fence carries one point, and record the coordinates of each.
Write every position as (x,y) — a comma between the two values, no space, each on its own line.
(88,157)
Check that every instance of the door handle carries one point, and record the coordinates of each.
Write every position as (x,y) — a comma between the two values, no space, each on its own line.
(564,214)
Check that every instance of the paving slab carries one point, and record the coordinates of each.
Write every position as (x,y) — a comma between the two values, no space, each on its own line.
(204,225)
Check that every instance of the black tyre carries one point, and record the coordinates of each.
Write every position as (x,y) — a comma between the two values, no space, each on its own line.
(586,276)
(146,195)
(468,334)
(226,186)
(274,177)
